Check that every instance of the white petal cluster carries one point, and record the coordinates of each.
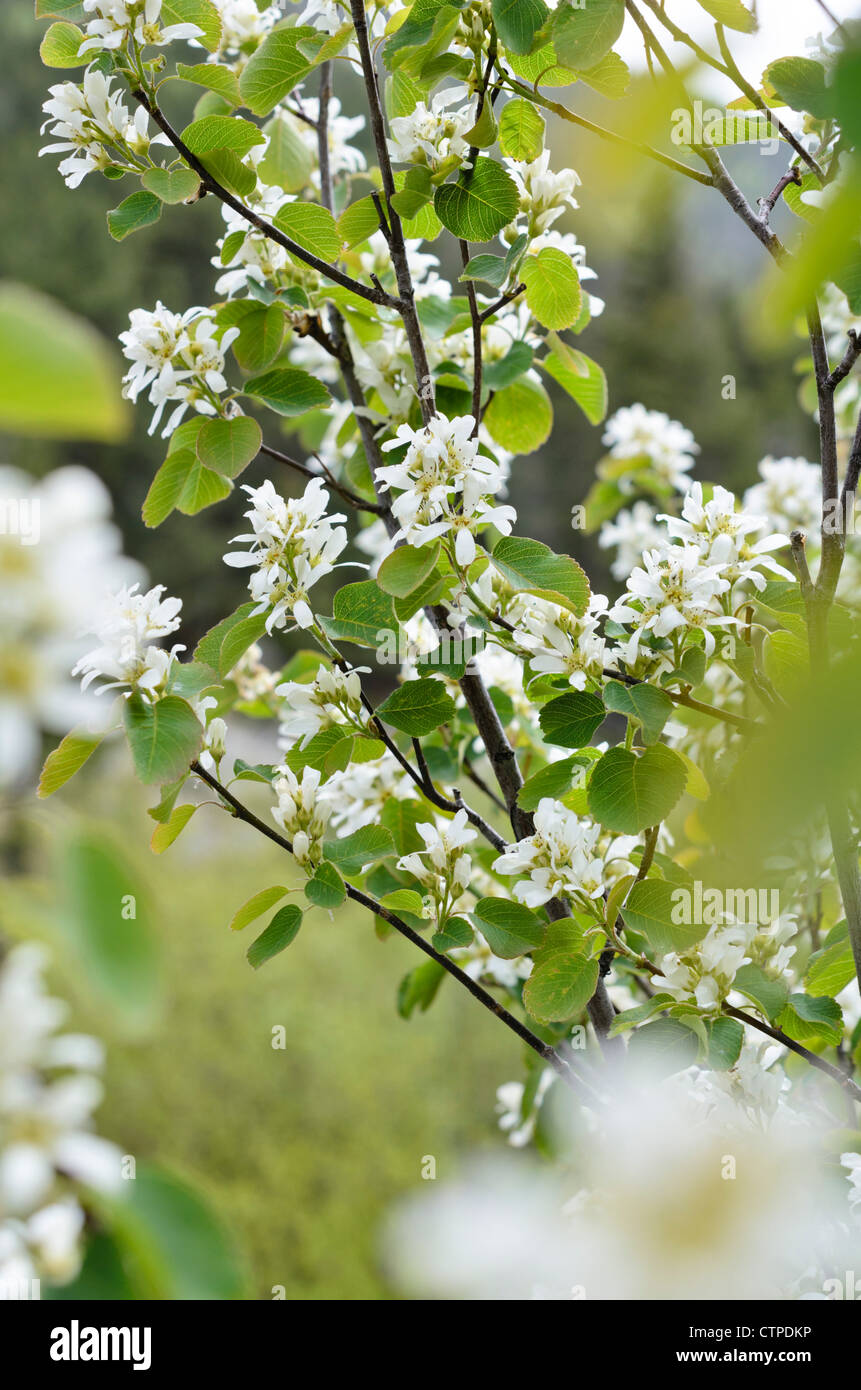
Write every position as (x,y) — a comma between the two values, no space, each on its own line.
(790,494)
(557,642)
(178,357)
(129,625)
(93,122)
(243,26)
(333,697)
(706,972)
(445,484)
(562,858)
(434,135)
(257,259)
(293,545)
(344,157)
(544,193)
(636,433)
(721,533)
(359,793)
(630,534)
(118,21)
(59,553)
(303,812)
(48,1092)
(443,867)
(673,592)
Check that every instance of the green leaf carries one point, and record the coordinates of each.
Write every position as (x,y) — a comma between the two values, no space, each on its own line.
(456,934)
(480,203)
(520,416)
(400,817)
(521,130)
(812,1020)
(59,47)
(67,758)
(261,331)
(227,168)
(326,888)
(491,269)
(651,908)
(164,834)
(163,737)
(560,986)
(541,67)
(418,707)
(629,1018)
(829,970)
(628,793)
(571,719)
(358,222)
(167,487)
(403,900)
(552,781)
(60,9)
(582,34)
(800,82)
(223,645)
(534,568)
(288,162)
(277,936)
(203,13)
(312,226)
(214,76)
(222,133)
(645,704)
(288,390)
(354,852)
(587,387)
(255,907)
(552,288)
(275,68)
(104,912)
(665,1046)
(768,994)
(202,488)
(726,1036)
(517,22)
(362,614)
(171,185)
(418,989)
(509,928)
(406,568)
(507,369)
(137,211)
(732,13)
(610,77)
(228,446)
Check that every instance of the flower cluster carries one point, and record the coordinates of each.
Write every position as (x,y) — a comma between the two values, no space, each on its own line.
(333,697)
(721,534)
(562,858)
(443,867)
(48,1092)
(444,485)
(118,22)
(294,544)
(672,594)
(303,813)
(632,532)
(556,642)
(55,566)
(179,357)
(706,972)
(128,627)
(639,434)
(93,122)
(544,193)
(434,135)
(243,26)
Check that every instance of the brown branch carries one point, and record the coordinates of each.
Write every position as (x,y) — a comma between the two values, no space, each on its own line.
(547,1053)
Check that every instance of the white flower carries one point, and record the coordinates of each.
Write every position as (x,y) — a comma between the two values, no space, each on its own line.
(445,485)
(630,534)
(562,858)
(852,1161)
(179,357)
(303,813)
(790,494)
(47,1096)
(721,534)
(129,624)
(359,793)
(433,135)
(93,122)
(244,25)
(520,1126)
(674,592)
(333,697)
(443,867)
(344,158)
(705,973)
(635,432)
(544,193)
(120,20)
(559,643)
(293,545)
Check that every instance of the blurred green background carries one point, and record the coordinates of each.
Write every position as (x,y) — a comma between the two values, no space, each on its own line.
(302,1150)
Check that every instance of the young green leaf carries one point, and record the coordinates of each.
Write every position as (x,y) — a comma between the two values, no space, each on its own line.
(228,446)
(536,569)
(521,130)
(628,793)
(277,937)
(171,185)
(312,226)
(480,203)
(571,719)
(560,986)
(67,758)
(552,288)
(418,707)
(138,210)
(255,907)
(406,568)
(288,390)
(275,68)
(355,852)
(509,928)
(164,737)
